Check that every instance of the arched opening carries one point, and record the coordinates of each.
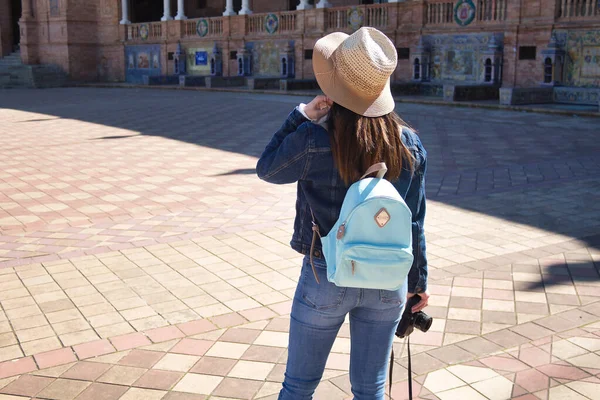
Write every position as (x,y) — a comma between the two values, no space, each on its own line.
(488,70)
(148,10)
(16,10)
(237,5)
(548,70)
(417,69)
(240,66)
(212,66)
(292,4)
(284,69)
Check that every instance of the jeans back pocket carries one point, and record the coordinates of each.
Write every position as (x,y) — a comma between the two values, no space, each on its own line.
(321,296)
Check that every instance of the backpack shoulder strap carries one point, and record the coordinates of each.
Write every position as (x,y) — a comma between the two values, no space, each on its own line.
(380,168)
(315,229)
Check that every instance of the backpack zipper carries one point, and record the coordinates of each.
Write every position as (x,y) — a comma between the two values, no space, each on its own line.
(353,266)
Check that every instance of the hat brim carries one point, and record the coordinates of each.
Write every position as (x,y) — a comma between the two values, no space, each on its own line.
(341,92)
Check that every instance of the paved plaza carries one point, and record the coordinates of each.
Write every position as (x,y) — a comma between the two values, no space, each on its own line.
(141,258)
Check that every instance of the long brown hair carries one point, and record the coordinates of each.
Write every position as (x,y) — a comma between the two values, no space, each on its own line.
(358,142)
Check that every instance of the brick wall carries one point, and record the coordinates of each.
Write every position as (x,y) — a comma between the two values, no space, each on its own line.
(85,37)
(530,72)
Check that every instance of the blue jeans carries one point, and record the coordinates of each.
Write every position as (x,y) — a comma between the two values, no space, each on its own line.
(318,312)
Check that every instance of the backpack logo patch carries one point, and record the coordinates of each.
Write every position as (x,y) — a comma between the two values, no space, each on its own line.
(382,218)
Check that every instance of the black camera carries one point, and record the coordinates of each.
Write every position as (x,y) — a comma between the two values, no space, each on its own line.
(411,320)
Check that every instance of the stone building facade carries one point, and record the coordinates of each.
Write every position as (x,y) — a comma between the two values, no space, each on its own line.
(537,44)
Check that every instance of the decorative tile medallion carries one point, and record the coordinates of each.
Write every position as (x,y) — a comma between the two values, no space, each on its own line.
(271,23)
(464,12)
(144,31)
(202,27)
(355,18)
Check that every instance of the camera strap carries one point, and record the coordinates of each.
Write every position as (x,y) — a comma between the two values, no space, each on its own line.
(409,370)
(410,396)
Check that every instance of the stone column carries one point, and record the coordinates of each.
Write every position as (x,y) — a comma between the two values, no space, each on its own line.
(26,9)
(180,10)
(303,5)
(323,4)
(229,9)
(125,12)
(167,11)
(245,8)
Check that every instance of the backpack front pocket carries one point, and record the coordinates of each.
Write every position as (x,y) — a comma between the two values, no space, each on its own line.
(373,267)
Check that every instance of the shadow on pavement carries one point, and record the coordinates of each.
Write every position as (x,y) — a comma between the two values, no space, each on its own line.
(244,171)
(473,154)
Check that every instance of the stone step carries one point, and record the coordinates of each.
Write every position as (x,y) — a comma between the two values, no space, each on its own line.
(10,62)
(31,76)
(11,59)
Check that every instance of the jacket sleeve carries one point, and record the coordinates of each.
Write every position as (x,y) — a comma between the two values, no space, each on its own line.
(285,159)
(417,277)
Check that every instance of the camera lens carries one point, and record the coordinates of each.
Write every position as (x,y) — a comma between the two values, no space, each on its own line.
(422,321)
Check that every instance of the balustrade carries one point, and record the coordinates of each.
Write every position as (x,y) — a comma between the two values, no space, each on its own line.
(212,27)
(491,10)
(144,31)
(376,15)
(337,19)
(442,12)
(578,8)
(437,13)
(271,23)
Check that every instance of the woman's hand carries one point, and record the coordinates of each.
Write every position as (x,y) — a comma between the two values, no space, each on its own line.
(318,108)
(421,304)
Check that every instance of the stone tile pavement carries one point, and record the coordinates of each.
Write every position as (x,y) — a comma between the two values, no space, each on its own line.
(140,257)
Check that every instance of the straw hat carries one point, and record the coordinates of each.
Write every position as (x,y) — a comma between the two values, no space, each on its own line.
(354,71)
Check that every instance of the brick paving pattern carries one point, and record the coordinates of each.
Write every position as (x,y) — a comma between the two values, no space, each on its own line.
(140,257)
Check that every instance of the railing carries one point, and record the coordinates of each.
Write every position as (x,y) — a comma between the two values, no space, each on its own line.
(439,13)
(341,18)
(578,8)
(271,23)
(144,31)
(443,12)
(491,10)
(211,28)
(337,19)
(287,21)
(377,16)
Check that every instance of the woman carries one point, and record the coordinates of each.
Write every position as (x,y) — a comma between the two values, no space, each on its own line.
(326,146)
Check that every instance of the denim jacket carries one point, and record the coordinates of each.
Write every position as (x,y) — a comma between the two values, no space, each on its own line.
(300,151)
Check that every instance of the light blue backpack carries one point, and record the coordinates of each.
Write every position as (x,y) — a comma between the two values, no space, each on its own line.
(370,246)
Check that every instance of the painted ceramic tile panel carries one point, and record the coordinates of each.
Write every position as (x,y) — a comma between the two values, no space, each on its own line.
(140,61)
(583,57)
(459,57)
(197,59)
(266,57)
(143,62)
